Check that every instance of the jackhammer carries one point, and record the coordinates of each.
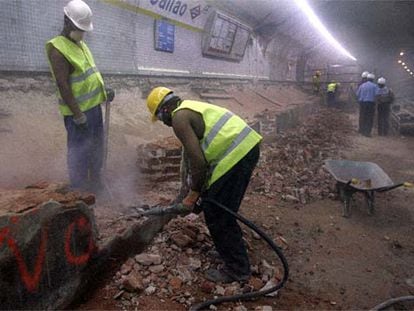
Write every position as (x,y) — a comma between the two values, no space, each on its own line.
(180,209)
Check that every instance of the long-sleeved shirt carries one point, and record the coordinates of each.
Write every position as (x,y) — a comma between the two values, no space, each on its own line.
(384,95)
(382,91)
(366,92)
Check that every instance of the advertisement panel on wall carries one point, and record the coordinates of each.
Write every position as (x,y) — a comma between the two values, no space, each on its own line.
(225,37)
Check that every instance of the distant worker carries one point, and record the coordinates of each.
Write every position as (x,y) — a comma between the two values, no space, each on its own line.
(316,82)
(366,98)
(222,152)
(81,91)
(332,93)
(384,97)
(364,78)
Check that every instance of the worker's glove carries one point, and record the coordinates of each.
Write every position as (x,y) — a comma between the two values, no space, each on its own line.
(191,199)
(110,94)
(81,122)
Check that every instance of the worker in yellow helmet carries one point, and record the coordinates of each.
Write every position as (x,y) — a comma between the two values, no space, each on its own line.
(81,92)
(331,93)
(316,82)
(222,152)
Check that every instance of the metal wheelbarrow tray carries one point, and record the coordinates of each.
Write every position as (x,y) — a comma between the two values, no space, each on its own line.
(354,176)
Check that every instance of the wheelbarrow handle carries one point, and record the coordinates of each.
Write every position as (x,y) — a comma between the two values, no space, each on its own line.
(404,184)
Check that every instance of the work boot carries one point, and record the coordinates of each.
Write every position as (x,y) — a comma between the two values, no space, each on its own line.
(213,254)
(223,276)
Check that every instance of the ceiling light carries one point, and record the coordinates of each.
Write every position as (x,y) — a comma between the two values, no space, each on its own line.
(401,53)
(405,67)
(411,73)
(408,69)
(399,61)
(403,64)
(315,21)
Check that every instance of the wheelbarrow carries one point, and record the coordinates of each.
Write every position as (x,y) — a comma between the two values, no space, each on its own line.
(364,177)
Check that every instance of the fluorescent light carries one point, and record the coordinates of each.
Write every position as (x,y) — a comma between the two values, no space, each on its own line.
(403,64)
(304,6)
(401,53)
(399,61)
(408,69)
(405,67)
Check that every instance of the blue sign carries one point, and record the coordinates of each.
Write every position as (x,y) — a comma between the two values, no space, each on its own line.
(164,36)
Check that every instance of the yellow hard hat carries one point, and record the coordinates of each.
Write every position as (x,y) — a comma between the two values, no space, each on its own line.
(155,98)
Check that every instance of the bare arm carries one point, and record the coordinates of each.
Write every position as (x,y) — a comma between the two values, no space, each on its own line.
(183,129)
(62,70)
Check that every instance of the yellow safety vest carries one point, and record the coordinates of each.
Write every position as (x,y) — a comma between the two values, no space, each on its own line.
(226,139)
(86,81)
(331,87)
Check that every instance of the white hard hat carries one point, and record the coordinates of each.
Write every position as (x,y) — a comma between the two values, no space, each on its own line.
(80,14)
(371,76)
(364,74)
(381,81)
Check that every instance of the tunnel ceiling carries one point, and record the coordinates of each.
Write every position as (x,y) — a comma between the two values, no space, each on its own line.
(373,31)
(366,28)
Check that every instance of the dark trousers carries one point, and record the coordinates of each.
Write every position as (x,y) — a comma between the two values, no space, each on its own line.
(331,99)
(384,110)
(225,231)
(366,117)
(85,149)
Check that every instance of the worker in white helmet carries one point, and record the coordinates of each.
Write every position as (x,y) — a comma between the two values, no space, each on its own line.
(384,98)
(81,91)
(366,98)
(364,78)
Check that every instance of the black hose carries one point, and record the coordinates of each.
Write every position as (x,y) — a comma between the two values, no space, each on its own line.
(391,302)
(252,295)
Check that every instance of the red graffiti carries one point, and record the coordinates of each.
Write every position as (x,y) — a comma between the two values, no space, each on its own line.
(83,224)
(3,233)
(30,279)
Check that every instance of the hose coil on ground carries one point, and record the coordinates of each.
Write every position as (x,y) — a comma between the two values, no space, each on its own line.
(256,294)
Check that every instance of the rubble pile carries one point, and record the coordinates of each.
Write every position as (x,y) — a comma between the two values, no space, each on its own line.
(20,200)
(292,167)
(172,268)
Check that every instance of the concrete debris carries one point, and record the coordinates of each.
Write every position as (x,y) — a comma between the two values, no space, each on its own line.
(150,290)
(133,282)
(148,259)
(271,283)
(219,290)
(168,271)
(291,168)
(240,308)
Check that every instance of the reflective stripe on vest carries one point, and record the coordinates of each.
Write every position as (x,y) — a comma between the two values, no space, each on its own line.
(86,81)
(226,139)
(83,76)
(243,134)
(215,129)
(84,97)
